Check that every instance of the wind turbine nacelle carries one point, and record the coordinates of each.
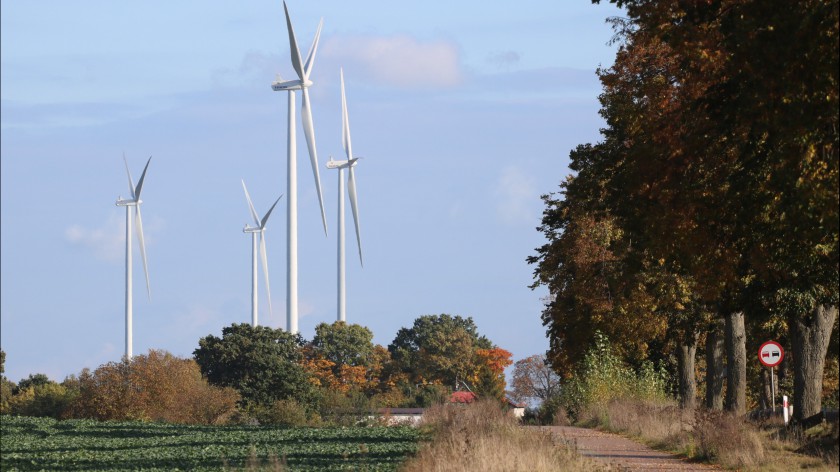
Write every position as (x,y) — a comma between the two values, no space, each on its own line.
(251,229)
(336,164)
(342,164)
(123,203)
(290,85)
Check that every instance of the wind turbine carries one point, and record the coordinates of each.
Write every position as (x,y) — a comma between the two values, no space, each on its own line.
(254,230)
(302,83)
(133,202)
(349,164)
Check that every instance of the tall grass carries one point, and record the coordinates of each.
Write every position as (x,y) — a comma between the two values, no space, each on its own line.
(483,437)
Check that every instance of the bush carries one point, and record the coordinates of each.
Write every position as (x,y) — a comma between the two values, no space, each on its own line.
(288,413)
(6,389)
(347,409)
(43,399)
(429,395)
(154,387)
(37,396)
(602,377)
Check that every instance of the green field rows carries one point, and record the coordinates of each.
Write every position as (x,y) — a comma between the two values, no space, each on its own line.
(47,444)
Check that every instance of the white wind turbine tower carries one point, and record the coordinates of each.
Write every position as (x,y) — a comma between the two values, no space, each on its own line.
(133,202)
(349,164)
(254,230)
(302,83)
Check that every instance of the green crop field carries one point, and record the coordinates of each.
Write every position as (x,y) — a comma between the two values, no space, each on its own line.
(47,444)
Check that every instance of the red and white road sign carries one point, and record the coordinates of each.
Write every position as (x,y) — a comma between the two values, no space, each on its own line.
(771,354)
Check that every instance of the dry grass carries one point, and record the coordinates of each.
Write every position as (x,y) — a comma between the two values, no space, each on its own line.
(719,437)
(658,422)
(727,440)
(483,437)
(816,449)
(703,435)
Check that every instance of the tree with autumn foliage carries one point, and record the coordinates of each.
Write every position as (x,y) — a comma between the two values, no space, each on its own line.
(719,173)
(154,387)
(438,349)
(752,155)
(534,380)
(488,378)
(445,351)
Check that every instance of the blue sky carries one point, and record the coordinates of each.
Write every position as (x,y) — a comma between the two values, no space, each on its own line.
(465,113)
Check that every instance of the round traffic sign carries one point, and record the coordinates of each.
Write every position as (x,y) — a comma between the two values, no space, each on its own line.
(771,354)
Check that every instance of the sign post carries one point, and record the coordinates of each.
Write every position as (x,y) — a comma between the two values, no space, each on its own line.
(771,354)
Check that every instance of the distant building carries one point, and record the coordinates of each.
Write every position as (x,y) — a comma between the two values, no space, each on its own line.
(400,416)
(413,416)
(517,409)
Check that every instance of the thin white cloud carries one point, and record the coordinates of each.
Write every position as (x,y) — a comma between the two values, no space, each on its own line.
(197,317)
(400,60)
(517,195)
(256,68)
(305,308)
(107,242)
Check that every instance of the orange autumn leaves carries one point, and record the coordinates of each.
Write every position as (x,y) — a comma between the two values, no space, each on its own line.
(381,375)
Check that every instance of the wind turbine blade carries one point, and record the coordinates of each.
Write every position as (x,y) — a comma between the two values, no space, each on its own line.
(309,131)
(296,62)
(265,218)
(264,258)
(130,180)
(354,205)
(345,122)
(142,178)
(310,58)
(251,205)
(138,220)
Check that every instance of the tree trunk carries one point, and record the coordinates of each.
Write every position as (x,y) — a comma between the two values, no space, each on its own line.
(736,364)
(765,399)
(715,372)
(809,337)
(783,370)
(688,381)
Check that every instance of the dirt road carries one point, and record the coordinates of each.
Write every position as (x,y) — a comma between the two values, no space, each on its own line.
(620,452)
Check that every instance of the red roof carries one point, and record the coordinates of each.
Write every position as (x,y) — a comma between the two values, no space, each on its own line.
(514,404)
(462,397)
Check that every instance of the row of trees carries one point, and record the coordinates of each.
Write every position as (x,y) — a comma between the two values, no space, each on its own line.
(274,376)
(437,355)
(708,213)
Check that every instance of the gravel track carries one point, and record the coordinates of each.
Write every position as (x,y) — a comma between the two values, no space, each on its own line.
(620,452)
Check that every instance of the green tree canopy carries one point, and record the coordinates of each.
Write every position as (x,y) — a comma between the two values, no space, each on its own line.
(34,380)
(438,348)
(344,344)
(261,363)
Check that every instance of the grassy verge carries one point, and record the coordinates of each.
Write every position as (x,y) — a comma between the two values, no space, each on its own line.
(483,437)
(46,444)
(718,437)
